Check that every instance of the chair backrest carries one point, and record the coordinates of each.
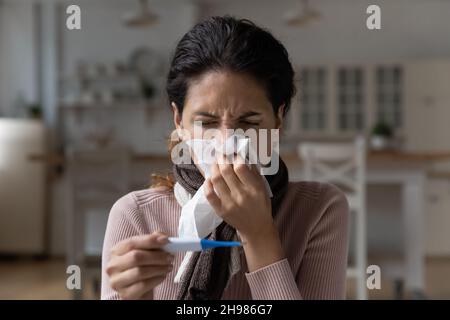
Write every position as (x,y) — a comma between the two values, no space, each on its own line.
(343,164)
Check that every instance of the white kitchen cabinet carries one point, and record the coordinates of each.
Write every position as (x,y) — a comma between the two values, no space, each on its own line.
(340,101)
(427,99)
(437,215)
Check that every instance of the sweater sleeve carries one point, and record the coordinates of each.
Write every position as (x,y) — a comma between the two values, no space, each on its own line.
(123,223)
(273,282)
(322,273)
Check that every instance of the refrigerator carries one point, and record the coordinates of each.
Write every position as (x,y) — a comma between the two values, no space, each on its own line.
(22,187)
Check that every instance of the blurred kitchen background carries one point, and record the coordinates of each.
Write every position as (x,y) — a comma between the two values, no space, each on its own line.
(84,119)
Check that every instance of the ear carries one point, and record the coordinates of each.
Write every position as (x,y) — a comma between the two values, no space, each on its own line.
(176,116)
(279,118)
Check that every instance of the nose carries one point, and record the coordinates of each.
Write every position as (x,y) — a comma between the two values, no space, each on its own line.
(226,130)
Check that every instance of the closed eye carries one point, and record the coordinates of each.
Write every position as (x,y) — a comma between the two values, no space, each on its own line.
(209,123)
(251,123)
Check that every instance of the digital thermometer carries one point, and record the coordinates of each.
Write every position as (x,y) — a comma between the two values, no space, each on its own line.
(195,244)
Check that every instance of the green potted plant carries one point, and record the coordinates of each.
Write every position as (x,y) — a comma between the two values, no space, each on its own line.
(382,135)
(35,110)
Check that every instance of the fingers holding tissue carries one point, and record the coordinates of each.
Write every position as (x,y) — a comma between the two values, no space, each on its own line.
(234,191)
(231,180)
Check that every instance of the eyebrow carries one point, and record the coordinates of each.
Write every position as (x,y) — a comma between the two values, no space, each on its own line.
(250,114)
(205,114)
(210,115)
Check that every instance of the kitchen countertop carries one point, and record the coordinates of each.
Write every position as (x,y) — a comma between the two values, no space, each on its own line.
(54,159)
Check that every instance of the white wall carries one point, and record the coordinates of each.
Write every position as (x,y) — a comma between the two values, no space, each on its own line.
(103,36)
(2,54)
(17,54)
(410,28)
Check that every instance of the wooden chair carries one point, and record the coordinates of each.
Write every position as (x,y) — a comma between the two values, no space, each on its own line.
(344,164)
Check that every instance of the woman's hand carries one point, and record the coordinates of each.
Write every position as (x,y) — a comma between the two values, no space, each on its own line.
(138,264)
(242,201)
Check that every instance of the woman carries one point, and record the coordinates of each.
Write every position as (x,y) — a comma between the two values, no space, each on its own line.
(230,74)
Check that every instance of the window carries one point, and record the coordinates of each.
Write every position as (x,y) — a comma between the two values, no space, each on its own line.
(347,99)
(313,99)
(389,95)
(350,104)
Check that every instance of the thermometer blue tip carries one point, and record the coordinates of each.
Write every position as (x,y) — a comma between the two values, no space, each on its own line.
(209,244)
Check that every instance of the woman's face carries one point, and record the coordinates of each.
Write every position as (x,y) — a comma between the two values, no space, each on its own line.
(224,100)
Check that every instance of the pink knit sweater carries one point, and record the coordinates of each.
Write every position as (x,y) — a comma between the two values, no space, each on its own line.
(313,223)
